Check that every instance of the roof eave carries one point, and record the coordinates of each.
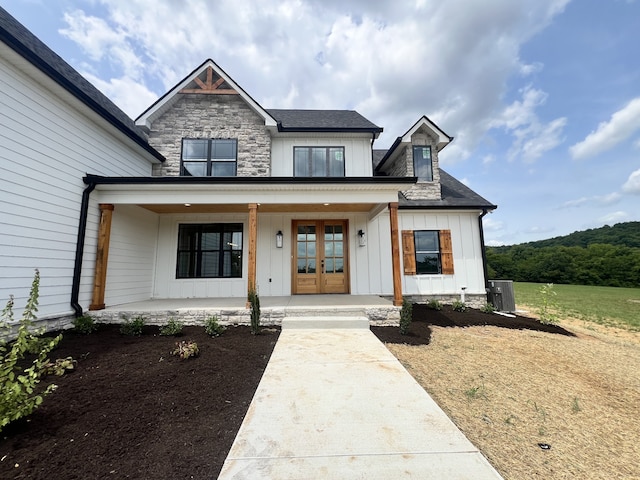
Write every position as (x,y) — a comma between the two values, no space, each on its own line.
(66,84)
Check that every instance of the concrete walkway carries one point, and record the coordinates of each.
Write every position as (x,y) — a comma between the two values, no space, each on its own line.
(336,404)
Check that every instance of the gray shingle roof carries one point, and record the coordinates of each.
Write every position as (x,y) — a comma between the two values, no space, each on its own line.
(455,194)
(322,120)
(20,39)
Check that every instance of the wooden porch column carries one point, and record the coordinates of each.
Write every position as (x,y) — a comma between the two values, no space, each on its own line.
(253,242)
(102,255)
(395,254)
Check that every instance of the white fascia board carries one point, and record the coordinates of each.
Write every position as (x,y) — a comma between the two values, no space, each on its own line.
(443,138)
(242,194)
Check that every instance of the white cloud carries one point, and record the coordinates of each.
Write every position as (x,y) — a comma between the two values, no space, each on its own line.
(614,217)
(133,97)
(530,68)
(622,125)
(532,137)
(392,61)
(632,185)
(609,199)
(574,203)
(491,225)
(601,200)
(488,159)
(538,230)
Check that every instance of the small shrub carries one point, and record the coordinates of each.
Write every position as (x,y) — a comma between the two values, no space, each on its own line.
(212,327)
(85,324)
(434,305)
(186,349)
(173,328)
(406,314)
(548,305)
(133,327)
(60,366)
(459,306)
(254,301)
(488,308)
(18,397)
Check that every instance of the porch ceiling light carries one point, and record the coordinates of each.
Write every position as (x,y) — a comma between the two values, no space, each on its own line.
(187,204)
(326,204)
(279,238)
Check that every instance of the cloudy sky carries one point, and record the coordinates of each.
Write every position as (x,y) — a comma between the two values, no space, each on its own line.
(542,96)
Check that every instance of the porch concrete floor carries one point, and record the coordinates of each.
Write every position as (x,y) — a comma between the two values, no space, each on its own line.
(293,301)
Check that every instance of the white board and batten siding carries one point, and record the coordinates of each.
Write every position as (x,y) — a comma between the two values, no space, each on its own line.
(166,285)
(467,253)
(47,145)
(357,153)
(132,255)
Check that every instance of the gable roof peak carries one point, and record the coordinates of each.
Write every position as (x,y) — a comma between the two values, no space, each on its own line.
(209,79)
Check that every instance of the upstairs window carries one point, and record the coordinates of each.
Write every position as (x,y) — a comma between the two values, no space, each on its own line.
(318,161)
(422,166)
(212,250)
(208,157)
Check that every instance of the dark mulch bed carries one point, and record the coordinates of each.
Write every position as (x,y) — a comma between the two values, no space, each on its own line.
(133,410)
(424,318)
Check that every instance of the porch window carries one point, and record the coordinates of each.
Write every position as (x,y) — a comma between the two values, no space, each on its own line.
(212,250)
(208,157)
(318,161)
(427,252)
(422,166)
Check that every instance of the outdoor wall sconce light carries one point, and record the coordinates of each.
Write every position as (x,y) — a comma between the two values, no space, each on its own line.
(279,239)
(362,238)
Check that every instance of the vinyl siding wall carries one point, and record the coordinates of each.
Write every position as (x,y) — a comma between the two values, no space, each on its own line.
(46,147)
(357,153)
(467,253)
(132,255)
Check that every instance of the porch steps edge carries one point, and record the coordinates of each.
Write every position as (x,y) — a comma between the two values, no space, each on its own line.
(325,322)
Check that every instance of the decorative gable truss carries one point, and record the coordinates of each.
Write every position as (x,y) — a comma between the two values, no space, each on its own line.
(212,84)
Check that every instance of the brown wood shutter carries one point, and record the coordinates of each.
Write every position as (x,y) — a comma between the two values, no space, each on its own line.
(408,252)
(446,252)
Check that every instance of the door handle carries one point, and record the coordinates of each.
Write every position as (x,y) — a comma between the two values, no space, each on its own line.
(322,265)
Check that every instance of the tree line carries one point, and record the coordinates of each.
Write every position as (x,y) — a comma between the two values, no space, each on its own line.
(607,256)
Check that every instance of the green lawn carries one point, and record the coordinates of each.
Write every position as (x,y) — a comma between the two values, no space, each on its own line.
(604,305)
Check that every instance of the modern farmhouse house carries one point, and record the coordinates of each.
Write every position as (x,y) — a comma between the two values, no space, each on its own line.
(209,194)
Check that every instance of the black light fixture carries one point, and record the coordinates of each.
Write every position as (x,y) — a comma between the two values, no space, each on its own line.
(279,238)
(362,238)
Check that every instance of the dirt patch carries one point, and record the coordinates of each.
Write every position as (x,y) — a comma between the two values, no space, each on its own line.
(510,387)
(132,410)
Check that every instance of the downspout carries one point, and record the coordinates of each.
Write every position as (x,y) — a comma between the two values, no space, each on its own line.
(484,251)
(77,267)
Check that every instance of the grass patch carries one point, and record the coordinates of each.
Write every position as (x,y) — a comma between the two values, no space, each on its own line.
(613,306)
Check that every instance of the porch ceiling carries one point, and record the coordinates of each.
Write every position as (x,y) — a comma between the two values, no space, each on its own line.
(263,208)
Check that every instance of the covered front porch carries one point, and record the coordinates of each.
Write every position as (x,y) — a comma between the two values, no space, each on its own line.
(233,310)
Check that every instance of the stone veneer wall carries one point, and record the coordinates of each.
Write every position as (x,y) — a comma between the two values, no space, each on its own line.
(212,116)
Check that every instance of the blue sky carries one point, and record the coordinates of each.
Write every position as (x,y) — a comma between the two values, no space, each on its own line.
(542,96)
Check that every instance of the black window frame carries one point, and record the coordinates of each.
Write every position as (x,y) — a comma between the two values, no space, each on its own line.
(417,168)
(436,253)
(328,169)
(211,158)
(196,253)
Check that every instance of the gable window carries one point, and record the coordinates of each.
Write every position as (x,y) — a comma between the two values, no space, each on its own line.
(208,157)
(427,252)
(422,166)
(212,250)
(318,161)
